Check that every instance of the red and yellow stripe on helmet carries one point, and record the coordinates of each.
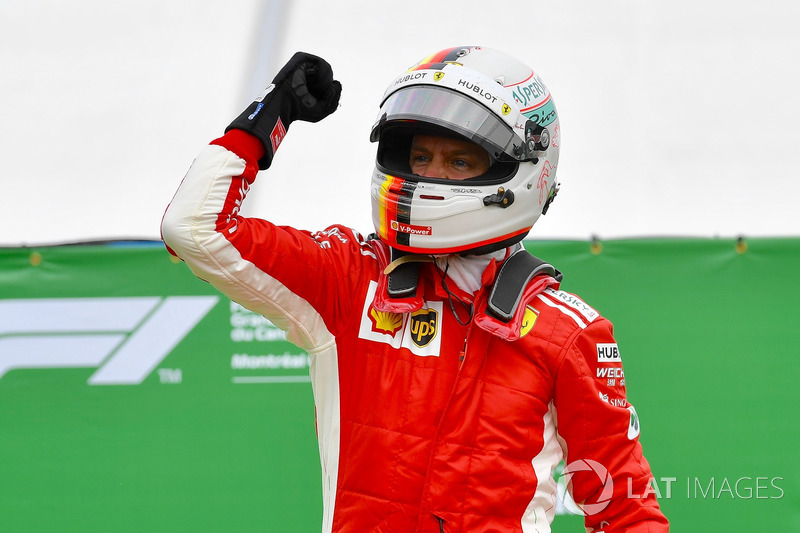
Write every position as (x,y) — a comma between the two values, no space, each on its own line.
(388,201)
(448,55)
(394,210)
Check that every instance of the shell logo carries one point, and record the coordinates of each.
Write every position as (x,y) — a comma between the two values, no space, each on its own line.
(383,322)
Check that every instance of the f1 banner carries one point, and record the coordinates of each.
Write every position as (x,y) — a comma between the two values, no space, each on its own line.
(125,337)
(135,397)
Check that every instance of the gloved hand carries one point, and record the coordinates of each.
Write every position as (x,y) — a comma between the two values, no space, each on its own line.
(304,89)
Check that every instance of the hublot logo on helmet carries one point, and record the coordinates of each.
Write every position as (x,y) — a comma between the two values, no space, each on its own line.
(409,77)
(478,90)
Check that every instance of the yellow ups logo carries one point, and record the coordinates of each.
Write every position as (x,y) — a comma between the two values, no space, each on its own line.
(424,325)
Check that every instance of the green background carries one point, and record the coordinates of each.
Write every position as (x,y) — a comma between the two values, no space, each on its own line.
(707,328)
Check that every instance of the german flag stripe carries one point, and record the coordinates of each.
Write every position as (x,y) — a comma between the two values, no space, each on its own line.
(404,198)
(385,208)
(395,206)
(451,54)
(439,59)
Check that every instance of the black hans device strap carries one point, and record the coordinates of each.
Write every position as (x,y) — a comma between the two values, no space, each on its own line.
(514,275)
(403,274)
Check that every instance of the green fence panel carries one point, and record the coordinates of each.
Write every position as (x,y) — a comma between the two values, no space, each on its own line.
(709,332)
(134,397)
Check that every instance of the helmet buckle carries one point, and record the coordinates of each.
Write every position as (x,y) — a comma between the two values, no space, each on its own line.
(502,198)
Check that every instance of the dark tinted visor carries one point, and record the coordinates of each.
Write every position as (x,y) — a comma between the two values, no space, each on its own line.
(452,111)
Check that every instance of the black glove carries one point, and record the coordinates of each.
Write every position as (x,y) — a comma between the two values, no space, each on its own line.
(304,89)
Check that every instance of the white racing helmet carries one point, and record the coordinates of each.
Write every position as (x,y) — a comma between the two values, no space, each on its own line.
(491,99)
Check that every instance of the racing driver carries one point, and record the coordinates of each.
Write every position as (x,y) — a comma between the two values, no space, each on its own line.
(450,373)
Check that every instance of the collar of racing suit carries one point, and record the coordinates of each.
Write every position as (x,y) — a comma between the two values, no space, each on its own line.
(474,277)
(466,271)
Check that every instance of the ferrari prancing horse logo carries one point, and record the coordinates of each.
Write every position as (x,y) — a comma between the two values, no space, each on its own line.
(528,320)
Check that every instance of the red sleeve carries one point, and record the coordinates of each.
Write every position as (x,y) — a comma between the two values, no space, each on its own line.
(246,146)
(610,478)
(304,282)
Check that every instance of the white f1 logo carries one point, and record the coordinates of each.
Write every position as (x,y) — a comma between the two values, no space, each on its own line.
(126,337)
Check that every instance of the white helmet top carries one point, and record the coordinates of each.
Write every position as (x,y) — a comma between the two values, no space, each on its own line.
(486,97)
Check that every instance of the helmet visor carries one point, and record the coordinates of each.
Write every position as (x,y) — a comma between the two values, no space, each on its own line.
(452,111)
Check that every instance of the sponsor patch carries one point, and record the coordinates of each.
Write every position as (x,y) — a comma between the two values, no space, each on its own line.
(410,228)
(277,135)
(383,322)
(268,89)
(570,305)
(419,332)
(633,427)
(616,402)
(610,372)
(608,352)
(424,326)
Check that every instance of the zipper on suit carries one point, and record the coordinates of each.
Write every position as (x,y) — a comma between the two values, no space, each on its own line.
(462,356)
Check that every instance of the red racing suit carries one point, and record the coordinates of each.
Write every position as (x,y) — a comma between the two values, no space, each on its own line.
(425,424)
